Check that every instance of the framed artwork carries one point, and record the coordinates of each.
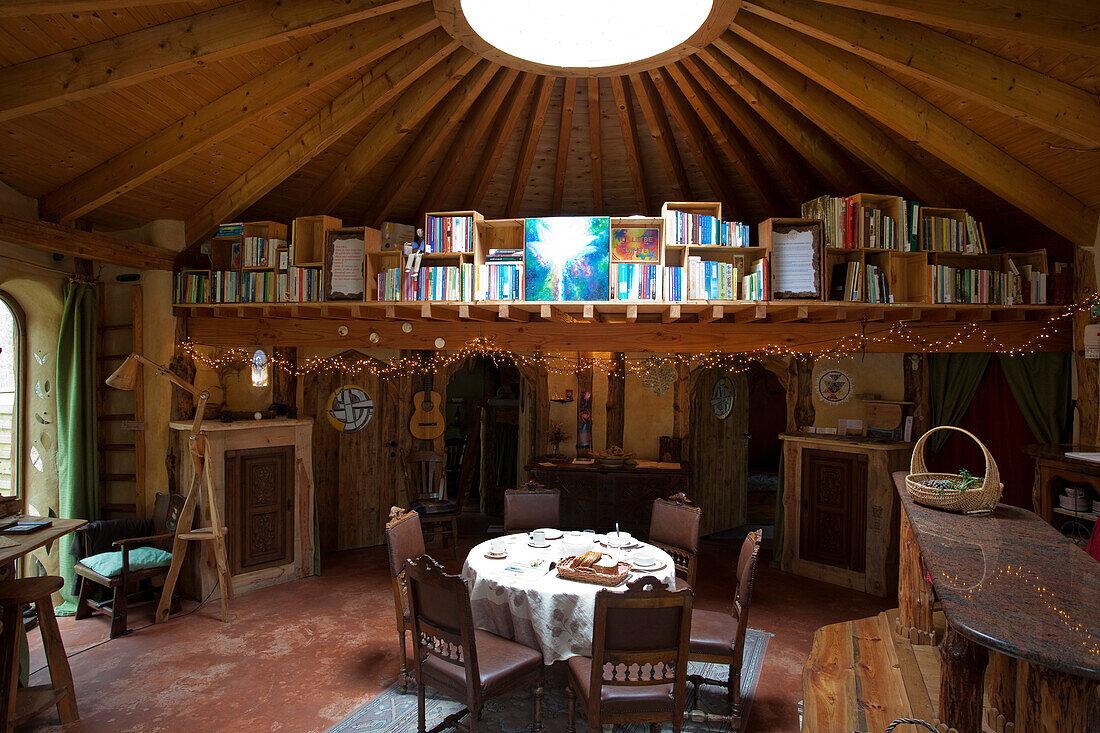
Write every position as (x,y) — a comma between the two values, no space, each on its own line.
(567,258)
(721,398)
(834,386)
(635,245)
(349,408)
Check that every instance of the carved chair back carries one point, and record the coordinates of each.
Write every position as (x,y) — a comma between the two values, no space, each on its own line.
(640,638)
(442,623)
(425,475)
(166,515)
(674,527)
(404,541)
(531,506)
(742,597)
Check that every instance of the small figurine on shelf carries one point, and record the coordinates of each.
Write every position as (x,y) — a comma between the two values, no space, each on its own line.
(557,435)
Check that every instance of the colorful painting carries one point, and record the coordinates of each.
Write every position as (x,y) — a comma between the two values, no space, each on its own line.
(635,245)
(567,258)
(584,423)
(834,386)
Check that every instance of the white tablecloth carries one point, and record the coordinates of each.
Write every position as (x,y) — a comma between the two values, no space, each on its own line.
(529,603)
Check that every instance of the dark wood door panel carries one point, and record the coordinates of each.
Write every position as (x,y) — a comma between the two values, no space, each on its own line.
(834,497)
(259,490)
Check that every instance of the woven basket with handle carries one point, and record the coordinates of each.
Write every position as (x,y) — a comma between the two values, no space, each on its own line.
(972,501)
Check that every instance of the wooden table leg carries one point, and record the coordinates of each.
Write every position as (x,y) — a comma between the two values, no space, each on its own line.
(962,673)
(915,597)
(1048,701)
(1000,680)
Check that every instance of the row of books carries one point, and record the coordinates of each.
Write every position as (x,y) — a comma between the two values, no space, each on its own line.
(635,281)
(259,287)
(440,283)
(449,234)
(693,228)
(847,224)
(1026,285)
(940,234)
(191,286)
(675,287)
(714,280)
(859,283)
(969,285)
(500,281)
(260,252)
(736,234)
(301,285)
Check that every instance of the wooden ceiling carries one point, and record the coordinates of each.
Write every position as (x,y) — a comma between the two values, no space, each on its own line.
(121,111)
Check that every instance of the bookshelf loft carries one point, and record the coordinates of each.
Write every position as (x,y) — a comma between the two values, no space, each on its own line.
(700,262)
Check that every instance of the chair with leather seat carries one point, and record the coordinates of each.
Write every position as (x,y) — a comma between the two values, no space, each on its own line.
(531,506)
(638,669)
(466,664)
(674,527)
(720,637)
(425,476)
(404,541)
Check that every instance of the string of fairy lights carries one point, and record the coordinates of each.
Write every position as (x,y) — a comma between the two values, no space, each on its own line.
(419,363)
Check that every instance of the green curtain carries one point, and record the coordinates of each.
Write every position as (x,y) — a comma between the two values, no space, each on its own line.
(1041,385)
(77,468)
(953,380)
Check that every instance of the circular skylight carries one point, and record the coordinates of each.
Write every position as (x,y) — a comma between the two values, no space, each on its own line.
(585,33)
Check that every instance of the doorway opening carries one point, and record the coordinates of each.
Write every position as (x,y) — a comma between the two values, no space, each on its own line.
(767,409)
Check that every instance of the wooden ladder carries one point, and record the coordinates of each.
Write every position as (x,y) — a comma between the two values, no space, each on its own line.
(120,427)
(215,533)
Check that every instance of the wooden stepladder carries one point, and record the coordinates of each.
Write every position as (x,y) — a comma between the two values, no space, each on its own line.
(215,533)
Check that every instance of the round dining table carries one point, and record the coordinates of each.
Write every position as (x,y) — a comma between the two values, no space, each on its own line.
(521,597)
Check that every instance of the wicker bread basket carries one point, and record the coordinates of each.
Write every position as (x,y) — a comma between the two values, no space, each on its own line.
(972,501)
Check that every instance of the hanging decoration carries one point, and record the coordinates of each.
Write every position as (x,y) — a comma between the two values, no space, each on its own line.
(657,375)
(584,423)
(349,408)
(721,398)
(834,386)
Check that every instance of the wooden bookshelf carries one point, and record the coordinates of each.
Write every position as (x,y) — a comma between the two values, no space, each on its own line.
(767,230)
(307,242)
(890,206)
(702,208)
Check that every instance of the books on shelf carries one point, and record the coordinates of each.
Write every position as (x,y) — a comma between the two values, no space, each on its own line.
(635,281)
(389,284)
(756,284)
(846,281)
(700,229)
(301,284)
(259,252)
(258,287)
(449,234)
(715,280)
(439,283)
(1026,284)
(501,277)
(943,234)
(675,287)
(877,285)
(191,286)
(969,285)
(234,229)
(848,224)
(736,234)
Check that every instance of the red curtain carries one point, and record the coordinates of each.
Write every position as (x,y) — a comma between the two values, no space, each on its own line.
(996,419)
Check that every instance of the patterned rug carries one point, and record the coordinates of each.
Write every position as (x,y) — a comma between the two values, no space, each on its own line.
(392,712)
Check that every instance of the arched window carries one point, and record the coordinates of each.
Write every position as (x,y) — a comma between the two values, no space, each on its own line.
(12,374)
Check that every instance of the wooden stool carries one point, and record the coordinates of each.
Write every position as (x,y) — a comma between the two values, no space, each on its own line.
(18,706)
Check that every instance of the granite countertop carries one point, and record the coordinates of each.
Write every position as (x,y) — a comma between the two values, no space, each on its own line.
(1012,583)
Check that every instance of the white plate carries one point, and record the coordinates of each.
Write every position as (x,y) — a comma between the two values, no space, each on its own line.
(646,568)
(538,547)
(551,534)
(495,556)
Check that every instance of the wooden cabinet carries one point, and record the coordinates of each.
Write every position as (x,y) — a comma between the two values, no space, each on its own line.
(834,495)
(840,510)
(259,487)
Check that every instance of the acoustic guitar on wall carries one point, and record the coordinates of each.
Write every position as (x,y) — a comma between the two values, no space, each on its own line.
(427,422)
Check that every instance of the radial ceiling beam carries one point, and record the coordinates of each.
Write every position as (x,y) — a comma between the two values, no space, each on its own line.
(698,142)
(781,160)
(18,8)
(947,63)
(540,103)
(729,141)
(809,140)
(594,147)
(474,129)
(663,137)
(396,123)
(498,138)
(436,131)
(375,89)
(910,115)
(290,81)
(1067,25)
(152,52)
(49,237)
(625,107)
(861,137)
(565,130)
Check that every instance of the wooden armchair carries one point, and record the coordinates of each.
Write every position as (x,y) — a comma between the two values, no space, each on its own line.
(720,637)
(426,486)
(404,541)
(136,559)
(531,506)
(674,527)
(638,669)
(466,664)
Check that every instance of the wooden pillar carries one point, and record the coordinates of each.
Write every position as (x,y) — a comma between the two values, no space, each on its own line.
(182,403)
(915,597)
(616,394)
(1000,680)
(1048,701)
(962,672)
(1088,389)
(284,382)
(917,390)
(800,401)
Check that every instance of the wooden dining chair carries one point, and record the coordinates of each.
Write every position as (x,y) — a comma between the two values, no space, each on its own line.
(466,664)
(531,506)
(674,527)
(638,668)
(720,637)
(404,541)
(426,486)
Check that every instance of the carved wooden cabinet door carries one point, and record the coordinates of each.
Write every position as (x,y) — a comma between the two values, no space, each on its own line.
(260,511)
(834,500)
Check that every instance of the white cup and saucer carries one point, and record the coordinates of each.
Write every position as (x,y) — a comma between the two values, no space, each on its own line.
(645,560)
(497,550)
(538,539)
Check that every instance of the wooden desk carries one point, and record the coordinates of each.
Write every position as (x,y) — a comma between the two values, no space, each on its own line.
(27,543)
(1016,594)
(597,498)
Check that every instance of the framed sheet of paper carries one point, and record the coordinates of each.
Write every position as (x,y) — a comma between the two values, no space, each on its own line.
(345,264)
(795,246)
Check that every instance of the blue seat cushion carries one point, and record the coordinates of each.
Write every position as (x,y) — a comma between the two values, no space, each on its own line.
(428,507)
(109,564)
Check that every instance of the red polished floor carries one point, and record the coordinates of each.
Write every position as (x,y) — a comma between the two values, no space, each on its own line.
(301,656)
